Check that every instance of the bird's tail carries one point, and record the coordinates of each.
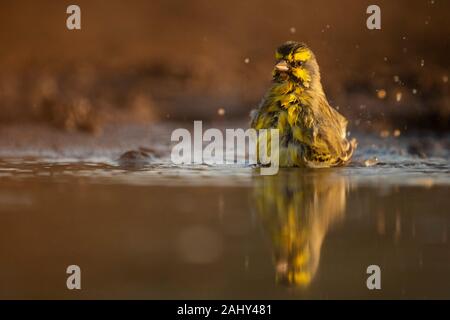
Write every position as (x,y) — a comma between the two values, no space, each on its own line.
(348,152)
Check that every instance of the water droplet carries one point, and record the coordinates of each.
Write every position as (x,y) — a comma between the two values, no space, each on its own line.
(381,94)
(371,162)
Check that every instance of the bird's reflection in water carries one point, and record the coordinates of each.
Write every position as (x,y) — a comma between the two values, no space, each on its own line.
(297,208)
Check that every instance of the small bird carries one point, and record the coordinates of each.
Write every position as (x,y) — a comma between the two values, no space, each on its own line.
(312,133)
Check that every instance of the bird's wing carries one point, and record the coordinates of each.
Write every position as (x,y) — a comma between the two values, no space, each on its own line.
(262,117)
(329,145)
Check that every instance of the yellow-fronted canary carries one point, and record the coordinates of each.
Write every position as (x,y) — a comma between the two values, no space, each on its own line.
(312,133)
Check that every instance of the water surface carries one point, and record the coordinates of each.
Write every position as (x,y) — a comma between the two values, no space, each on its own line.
(161,231)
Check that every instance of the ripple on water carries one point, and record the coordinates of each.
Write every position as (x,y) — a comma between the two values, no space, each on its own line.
(392,166)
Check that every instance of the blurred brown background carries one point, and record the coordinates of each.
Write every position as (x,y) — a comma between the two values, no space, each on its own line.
(180,60)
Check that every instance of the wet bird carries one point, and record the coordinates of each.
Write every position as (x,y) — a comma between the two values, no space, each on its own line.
(312,133)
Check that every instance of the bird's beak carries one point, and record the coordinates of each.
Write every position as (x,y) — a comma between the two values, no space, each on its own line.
(282,66)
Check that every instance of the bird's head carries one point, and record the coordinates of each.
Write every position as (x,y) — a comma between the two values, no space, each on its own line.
(296,62)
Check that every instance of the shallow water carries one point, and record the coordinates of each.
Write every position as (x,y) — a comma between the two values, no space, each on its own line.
(162,231)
